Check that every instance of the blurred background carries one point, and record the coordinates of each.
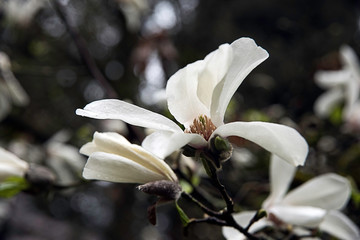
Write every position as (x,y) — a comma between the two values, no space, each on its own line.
(67,53)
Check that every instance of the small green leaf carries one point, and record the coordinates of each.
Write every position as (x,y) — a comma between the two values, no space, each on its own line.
(206,167)
(12,186)
(186,187)
(184,218)
(336,115)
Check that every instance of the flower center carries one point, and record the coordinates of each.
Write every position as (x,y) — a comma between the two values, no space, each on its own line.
(203,126)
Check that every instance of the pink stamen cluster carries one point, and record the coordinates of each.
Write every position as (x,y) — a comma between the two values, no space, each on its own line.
(202,126)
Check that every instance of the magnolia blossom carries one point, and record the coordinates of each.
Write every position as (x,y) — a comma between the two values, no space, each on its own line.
(64,159)
(353,118)
(22,12)
(10,89)
(197,97)
(113,158)
(133,11)
(315,203)
(11,165)
(343,85)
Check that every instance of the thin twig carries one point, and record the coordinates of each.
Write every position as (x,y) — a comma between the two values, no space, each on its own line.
(202,206)
(221,188)
(195,191)
(83,51)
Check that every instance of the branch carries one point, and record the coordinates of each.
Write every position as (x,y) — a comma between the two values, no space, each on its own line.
(84,52)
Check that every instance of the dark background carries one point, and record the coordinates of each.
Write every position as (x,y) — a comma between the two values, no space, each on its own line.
(301,37)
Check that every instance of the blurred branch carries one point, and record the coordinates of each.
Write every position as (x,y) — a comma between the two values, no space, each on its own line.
(83,51)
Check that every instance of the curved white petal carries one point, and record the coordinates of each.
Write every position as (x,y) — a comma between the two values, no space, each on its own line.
(281,176)
(189,91)
(246,56)
(163,144)
(114,168)
(330,79)
(326,103)
(243,219)
(181,93)
(350,59)
(116,144)
(351,63)
(9,158)
(352,95)
(301,231)
(281,140)
(216,65)
(328,191)
(340,226)
(16,92)
(299,215)
(120,110)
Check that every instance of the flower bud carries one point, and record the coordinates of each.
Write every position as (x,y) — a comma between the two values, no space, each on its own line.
(40,178)
(167,190)
(221,148)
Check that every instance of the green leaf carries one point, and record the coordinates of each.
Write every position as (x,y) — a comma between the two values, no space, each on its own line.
(12,186)
(336,115)
(185,186)
(184,218)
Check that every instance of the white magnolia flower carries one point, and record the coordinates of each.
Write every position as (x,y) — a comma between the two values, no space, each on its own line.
(197,97)
(353,118)
(10,89)
(134,11)
(64,159)
(315,203)
(113,158)
(343,85)
(21,11)
(11,165)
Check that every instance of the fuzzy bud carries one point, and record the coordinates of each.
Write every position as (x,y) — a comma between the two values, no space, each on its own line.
(40,178)
(221,148)
(165,189)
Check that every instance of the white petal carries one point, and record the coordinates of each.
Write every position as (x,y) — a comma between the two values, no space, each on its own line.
(17,93)
(328,191)
(281,176)
(114,143)
(120,110)
(7,170)
(181,93)
(216,66)
(326,103)
(299,215)
(243,219)
(300,231)
(330,79)
(351,63)
(163,144)
(246,56)
(349,59)
(281,140)
(11,165)
(7,157)
(340,226)
(114,168)
(352,95)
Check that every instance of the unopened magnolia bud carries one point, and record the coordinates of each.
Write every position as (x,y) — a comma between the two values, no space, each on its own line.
(221,148)
(165,189)
(40,178)
(261,214)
